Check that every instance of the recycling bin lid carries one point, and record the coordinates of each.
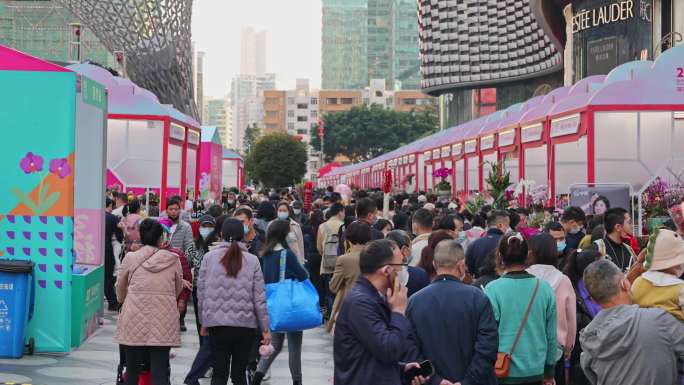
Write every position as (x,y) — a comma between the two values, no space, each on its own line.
(15,266)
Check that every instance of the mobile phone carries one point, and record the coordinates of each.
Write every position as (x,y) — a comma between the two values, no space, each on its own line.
(425,370)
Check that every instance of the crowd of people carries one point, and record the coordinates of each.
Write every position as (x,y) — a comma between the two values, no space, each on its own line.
(418,290)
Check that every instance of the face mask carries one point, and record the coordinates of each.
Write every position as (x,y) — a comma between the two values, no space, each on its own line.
(560,246)
(205,232)
(575,230)
(297,211)
(246,229)
(461,237)
(230,201)
(283,215)
(403,276)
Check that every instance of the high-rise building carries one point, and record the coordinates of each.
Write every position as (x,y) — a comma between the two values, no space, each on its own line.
(370,39)
(344,44)
(247,96)
(199,80)
(217,113)
(253,51)
(275,111)
(405,46)
(48,30)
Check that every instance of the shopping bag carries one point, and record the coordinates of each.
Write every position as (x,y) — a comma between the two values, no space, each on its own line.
(292,305)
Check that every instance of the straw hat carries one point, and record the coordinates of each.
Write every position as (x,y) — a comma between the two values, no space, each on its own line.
(665,250)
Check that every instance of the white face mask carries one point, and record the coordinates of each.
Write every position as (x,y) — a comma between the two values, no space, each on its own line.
(403,276)
(205,232)
(296,211)
(283,215)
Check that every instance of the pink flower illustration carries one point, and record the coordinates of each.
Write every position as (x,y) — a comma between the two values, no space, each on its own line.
(31,163)
(60,167)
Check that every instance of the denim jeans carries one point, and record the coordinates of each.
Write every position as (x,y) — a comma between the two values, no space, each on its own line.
(202,362)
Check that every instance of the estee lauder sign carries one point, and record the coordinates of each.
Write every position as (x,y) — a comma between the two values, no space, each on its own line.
(605,14)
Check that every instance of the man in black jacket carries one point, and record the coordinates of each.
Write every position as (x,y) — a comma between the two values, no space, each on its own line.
(372,335)
(112,230)
(461,338)
(498,223)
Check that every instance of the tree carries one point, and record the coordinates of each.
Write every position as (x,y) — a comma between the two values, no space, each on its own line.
(364,132)
(252,134)
(277,160)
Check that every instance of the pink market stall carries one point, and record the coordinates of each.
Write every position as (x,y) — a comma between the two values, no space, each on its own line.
(211,164)
(150,146)
(233,170)
(626,127)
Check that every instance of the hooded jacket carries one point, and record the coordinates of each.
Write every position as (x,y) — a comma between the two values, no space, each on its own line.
(566,304)
(628,345)
(148,284)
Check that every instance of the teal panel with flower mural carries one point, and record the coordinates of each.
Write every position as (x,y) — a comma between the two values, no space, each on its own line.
(37,120)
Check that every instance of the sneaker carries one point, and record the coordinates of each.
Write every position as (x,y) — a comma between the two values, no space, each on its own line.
(183,328)
(258,377)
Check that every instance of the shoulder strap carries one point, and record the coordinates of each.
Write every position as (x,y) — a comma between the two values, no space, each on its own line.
(527,313)
(130,275)
(283,261)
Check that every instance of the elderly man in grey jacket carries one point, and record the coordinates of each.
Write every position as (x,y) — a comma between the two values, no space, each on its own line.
(626,344)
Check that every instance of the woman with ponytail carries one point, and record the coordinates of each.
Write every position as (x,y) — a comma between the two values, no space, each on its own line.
(525,309)
(277,245)
(232,304)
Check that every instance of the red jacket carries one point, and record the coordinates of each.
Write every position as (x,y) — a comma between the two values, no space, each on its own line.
(187,273)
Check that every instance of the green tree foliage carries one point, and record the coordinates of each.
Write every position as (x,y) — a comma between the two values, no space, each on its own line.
(252,134)
(276,160)
(364,132)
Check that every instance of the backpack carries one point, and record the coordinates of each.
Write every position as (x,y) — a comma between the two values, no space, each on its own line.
(330,247)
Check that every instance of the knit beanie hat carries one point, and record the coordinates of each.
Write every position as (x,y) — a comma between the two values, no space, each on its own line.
(665,250)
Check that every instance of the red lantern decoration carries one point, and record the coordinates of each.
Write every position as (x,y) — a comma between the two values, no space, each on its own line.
(308,194)
(387,186)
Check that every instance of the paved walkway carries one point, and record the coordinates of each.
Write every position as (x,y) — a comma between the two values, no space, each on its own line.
(95,362)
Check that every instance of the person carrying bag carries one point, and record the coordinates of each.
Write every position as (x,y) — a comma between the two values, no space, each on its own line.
(291,299)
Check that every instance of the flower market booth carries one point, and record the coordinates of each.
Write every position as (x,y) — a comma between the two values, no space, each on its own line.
(626,127)
(211,164)
(233,170)
(53,178)
(150,146)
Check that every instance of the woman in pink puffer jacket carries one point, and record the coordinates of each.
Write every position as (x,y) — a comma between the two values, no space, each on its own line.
(148,284)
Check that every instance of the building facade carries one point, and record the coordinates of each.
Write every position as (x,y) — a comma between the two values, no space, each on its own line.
(275,111)
(48,30)
(370,39)
(247,103)
(199,80)
(253,51)
(217,113)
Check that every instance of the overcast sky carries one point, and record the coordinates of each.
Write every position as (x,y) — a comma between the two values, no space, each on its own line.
(294,27)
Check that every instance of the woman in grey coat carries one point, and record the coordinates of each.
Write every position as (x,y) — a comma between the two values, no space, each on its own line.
(232,304)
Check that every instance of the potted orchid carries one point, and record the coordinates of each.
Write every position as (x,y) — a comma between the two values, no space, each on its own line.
(662,201)
(443,187)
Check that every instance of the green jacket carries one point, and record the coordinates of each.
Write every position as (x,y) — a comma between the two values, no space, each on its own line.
(536,353)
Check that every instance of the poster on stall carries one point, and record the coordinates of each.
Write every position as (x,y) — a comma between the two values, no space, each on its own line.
(595,199)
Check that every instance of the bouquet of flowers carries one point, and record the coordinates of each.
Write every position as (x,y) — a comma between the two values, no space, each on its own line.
(653,199)
(442,173)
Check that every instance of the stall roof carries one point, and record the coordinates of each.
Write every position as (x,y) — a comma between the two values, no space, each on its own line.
(13,60)
(579,95)
(541,111)
(514,113)
(230,154)
(210,134)
(181,117)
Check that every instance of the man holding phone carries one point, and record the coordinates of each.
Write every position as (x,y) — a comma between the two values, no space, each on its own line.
(461,337)
(372,335)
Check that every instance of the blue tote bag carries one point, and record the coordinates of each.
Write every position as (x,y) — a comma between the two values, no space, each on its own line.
(292,305)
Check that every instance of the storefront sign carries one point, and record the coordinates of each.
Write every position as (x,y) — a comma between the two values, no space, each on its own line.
(412,158)
(177,132)
(446,151)
(565,126)
(435,153)
(605,14)
(193,137)
(486,142)
(427,155)
(470,146)
(532,133)
(506,138)
(602,55)
(456,150)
